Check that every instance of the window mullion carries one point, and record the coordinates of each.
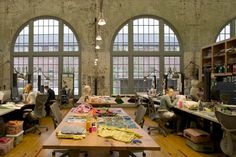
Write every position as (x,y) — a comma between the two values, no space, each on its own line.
(232,28)
(31,45)
(130,55)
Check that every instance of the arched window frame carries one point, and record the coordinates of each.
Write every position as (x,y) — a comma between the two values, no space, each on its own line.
(223,35)
(130,54)
(60,54)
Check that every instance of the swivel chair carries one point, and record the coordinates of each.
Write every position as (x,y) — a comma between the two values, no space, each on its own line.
(57,118)
(155,114)
(39,112)
(228,141)
(139,119)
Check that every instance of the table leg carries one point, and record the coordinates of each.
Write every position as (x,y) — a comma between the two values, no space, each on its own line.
(123,153)
(74,153)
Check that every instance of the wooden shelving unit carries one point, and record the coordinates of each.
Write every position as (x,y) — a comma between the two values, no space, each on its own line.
(220,58)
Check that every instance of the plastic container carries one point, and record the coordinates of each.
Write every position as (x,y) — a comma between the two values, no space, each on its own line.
(201,147)
(17,138)
(14,127)
(2,127)
(197,135)
(6,145)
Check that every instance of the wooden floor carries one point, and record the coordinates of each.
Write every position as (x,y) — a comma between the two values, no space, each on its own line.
(171,146)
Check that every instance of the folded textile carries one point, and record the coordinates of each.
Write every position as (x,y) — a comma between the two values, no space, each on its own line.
(73,136)
(120,134)
(82,108)
(76,130)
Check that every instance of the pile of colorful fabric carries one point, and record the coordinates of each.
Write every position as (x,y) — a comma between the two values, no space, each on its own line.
(82,108)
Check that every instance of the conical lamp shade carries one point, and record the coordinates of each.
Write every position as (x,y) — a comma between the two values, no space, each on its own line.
(99,38)
(101,22)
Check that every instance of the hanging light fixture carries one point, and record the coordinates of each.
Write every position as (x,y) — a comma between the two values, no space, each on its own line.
(99,37)
(101,21)
(97,47)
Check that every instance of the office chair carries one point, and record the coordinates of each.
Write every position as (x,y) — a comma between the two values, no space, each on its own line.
(155,115)
(228,141)
(39,112)
(57,118)
(152,109)
(139,119)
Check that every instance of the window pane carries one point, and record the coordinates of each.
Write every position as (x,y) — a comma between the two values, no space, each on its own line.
(120,75)
(145,66)
(121,40)
(171,42)
(21,66)
(70,42)
(46,35)
(46,66)
(172,64)
(22,41)
(146,34)
(71,65)
(224,34)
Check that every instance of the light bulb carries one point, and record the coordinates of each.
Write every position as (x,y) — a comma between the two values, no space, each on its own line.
(101,22)
(97,47)
(98,37)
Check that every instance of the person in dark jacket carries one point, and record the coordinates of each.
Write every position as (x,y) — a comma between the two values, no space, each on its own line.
(51,98)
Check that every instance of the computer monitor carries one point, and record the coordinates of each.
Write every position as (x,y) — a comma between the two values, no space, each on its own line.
(5,96)
(15,95)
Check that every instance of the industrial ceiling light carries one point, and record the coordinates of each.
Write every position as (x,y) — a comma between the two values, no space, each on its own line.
(97,47)
(98,38)
(101,22)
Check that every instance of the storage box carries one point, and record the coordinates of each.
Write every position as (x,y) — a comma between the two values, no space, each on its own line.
(196,135)
(17,138)
(201,147)
(14,127)
(6,144)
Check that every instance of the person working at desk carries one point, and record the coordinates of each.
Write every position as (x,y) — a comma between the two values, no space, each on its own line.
(86,95)
(166,105)
(50,100)
(29,97)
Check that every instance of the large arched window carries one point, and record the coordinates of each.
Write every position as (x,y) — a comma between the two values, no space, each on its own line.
(141,47)
(228,31)
(46,47)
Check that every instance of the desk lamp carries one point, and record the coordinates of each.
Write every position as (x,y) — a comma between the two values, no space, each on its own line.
(20,76)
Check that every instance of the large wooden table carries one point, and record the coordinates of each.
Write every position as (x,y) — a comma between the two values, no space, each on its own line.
(7,108)
(93,142)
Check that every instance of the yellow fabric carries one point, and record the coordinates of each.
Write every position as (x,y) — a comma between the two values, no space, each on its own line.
(76,137)
(120,134)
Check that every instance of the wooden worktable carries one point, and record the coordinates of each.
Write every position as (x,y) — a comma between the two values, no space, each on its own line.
(93,142)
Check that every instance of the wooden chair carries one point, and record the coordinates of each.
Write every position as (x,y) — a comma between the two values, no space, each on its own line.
(38,113)
(228,141)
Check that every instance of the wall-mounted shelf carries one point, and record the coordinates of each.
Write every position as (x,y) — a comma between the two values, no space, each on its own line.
(220,58)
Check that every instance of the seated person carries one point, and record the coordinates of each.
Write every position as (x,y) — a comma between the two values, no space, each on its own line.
(30,95)
(50,100)
(165,109)
(86,95)
(196,91)
(50,92)
(29,99)
(65,94)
